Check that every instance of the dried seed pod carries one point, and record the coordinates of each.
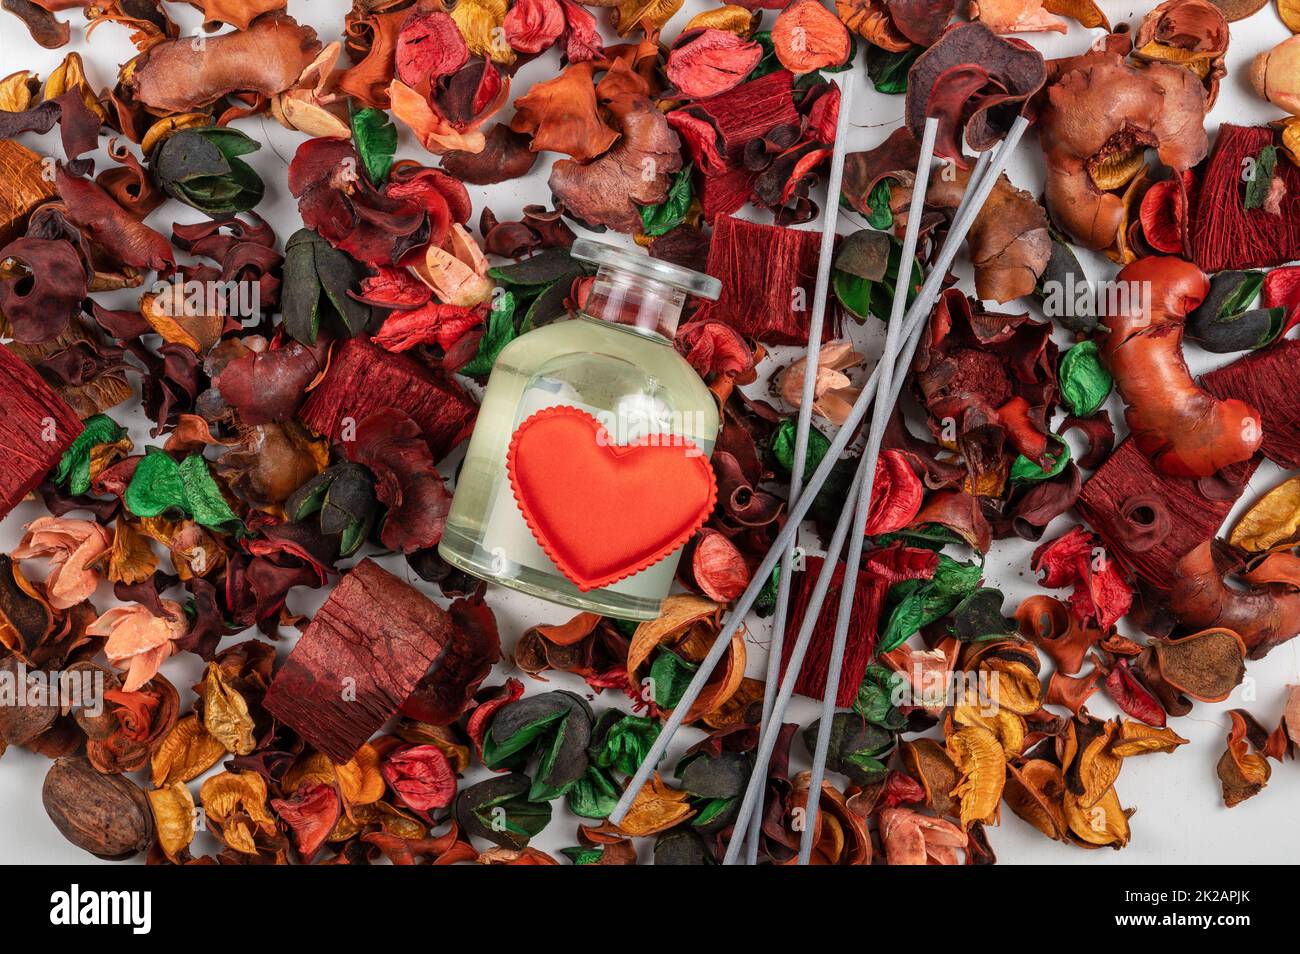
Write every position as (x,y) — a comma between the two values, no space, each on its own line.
(107,815)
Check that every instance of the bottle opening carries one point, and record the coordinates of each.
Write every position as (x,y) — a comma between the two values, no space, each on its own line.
(633,289)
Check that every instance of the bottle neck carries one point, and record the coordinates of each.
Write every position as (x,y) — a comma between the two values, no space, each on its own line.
(650,307)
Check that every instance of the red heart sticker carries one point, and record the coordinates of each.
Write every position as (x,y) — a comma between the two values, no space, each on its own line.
(600,510)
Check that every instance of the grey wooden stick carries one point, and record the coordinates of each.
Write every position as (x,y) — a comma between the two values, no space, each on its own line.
(913,329)
(804,420)
(861,507)
(916,316)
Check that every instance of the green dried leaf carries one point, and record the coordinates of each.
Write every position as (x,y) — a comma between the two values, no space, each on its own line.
(594,795)
(202,497)
(1260,183)
(881,217)
(74,465)
(1085,381)
(1024,470)
(497,810)
(317,279)
(875,699)
(500,332)
(201,168)
(160,485)
(888,71)
(918,603)
(782,447)
(667,215)
(541,270)
(621,742)
(855,747)
(375,137)
(670,674)
(556,727)
(979,617)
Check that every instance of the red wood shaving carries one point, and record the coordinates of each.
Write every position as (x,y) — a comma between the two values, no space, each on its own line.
(1192,516)
(1266,380)
(1225,235)
(768,274)
(879,572)
(364,378)
(357,661)
(33,413)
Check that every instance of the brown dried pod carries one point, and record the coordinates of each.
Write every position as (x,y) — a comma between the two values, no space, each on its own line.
(20,724)
(1100,116)
(107,815)
(1189,33)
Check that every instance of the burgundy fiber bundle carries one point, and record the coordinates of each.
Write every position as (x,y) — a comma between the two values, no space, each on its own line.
(768,273)
(364,378)
(1224,233)
(364,652)
(1266,380)
(880,571)
(1148,521)
(35,429)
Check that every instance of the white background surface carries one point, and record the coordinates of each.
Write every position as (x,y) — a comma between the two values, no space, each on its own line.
(1179,813)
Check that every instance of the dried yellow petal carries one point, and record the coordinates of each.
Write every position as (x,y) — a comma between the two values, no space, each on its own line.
(236,804)
(656,808)
(652,14)
(186,752)
(1138,738)
(311,768)
(1098,766)
(1104,823)
(1273,521)
(360,781)
(16,91)
(979,756)
(1014,685)
(1086,12)
(174,818)
(225,713)
(130,560)
(1291,138)
(480,25)
(1035,791)
(731,18)
(1289,11)
(70,75)
(172,124)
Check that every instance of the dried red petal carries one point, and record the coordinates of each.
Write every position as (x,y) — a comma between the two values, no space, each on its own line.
(1164,215)
(311,815)
(422,777)
(1100,593)
(533,25)
(896,497)
(429,46)
(1282,290)
(709,62)
(1133,697)
(718,567)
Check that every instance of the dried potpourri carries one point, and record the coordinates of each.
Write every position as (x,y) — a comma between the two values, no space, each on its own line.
(304,420)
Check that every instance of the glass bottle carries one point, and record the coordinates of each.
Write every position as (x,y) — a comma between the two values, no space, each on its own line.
(616,361)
